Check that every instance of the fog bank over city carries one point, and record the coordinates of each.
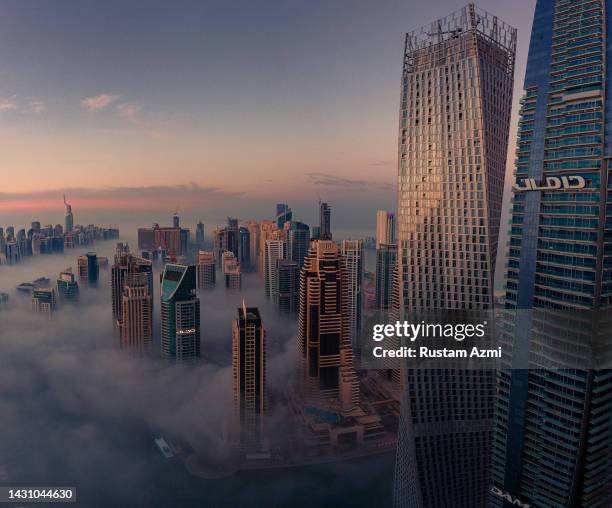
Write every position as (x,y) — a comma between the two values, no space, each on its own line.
(76,409)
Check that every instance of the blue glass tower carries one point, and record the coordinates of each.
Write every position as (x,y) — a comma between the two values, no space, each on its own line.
(552,441)
(180,313)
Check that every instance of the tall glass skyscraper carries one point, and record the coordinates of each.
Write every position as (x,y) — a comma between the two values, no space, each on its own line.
(180,313)
(456,95)
(553,444)
(249,373)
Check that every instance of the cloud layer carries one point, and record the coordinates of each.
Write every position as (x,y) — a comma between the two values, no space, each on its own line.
(99,102)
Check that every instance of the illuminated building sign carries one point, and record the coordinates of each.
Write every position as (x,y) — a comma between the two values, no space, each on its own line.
(552,183)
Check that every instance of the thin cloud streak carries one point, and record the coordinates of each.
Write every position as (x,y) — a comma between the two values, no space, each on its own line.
(331,180)
(37,107)
(118,197)
(129,111)
(7,105)
(99,102)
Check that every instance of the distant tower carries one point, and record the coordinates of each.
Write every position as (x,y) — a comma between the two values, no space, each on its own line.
(253,227)
(288,276)
(176,221)
(231,271)
(249,367)
(298,241)
(206,269)
(268,230)
(386,258)
(67,286)
(44,300)
(200,234)
(136,322)
(88,268)
(385,227)
(68,217)
(244,248)
(326,356)
(324,221)
(352,250)
(180,313)
(283,214)
(125,271)
(275,250)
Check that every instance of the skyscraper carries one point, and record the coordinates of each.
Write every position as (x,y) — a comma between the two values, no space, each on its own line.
(352,251)
(327,376)
(136,320)
(324,222)
(206,269)
(180,313)
(283,214)
(253,227)
(227,239)
(288,277)
(44,300)
(244,248)
(168,239)
(298,241)
(67,286)
(385,228)
(68,217)
(88,268)
(231,271)
(386,258)
(200,234)
(456,94)
(268,230)
(553,432)
(249,372)
(125,272)
(274,250)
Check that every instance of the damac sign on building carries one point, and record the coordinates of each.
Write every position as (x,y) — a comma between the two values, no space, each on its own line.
(507,497)
(552,183)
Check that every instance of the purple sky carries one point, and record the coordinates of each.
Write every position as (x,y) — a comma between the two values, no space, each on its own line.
(127,104)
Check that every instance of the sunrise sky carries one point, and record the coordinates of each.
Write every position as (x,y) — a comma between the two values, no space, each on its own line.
(126,104)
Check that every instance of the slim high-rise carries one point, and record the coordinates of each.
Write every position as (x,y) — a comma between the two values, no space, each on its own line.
(386,259)
(298,241)
(136,321)
(68,217)
(328,378)
(283,214)
(456,94)
(249,373)
(200,234)
(288,278)
(385,228)
(553,430)
(274,250)
(253,227)
(268,230)
(206,269)
(352,251)
(180,313)
(324,222)
(244,248)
